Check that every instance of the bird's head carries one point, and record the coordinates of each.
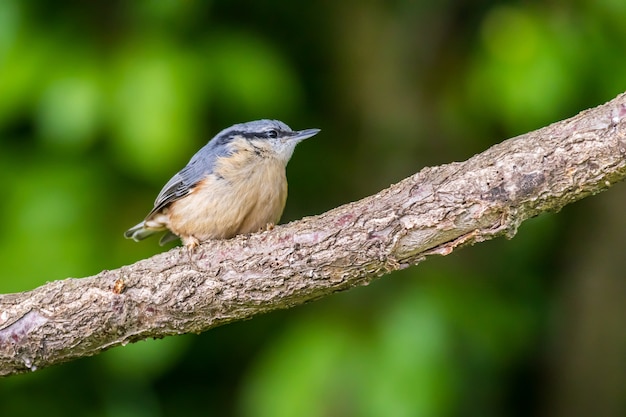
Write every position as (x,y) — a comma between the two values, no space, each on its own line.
(268,138)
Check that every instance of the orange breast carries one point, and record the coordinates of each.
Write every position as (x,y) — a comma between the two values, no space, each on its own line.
(240,197)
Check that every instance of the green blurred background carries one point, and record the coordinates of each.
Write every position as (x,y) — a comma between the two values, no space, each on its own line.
(102,101)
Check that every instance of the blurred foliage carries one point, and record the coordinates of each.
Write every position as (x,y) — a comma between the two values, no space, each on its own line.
(101,102)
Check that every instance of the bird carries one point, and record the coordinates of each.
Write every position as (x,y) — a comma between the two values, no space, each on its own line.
(235,184)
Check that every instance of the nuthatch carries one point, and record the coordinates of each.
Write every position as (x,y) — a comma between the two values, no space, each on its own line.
(235,184)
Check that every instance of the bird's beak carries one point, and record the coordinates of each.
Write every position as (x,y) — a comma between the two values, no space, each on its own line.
(304,134)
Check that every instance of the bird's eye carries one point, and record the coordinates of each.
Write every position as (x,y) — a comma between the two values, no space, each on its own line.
(272,134)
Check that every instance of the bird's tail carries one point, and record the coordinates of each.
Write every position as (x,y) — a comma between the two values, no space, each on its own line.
(140,232)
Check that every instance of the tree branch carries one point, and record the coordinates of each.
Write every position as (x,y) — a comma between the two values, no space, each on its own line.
(431,213)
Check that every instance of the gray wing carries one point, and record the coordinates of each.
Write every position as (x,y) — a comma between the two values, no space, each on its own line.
(181,184)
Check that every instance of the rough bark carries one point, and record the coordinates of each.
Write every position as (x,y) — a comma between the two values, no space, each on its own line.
(431,213)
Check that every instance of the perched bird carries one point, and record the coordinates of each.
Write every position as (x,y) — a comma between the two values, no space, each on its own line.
(235,184)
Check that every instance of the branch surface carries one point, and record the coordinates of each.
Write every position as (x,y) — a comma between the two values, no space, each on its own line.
(430,213)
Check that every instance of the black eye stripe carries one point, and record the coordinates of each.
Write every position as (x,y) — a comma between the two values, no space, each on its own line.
(269,134)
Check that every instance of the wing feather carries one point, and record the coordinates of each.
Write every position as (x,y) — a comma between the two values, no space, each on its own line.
(199,167)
